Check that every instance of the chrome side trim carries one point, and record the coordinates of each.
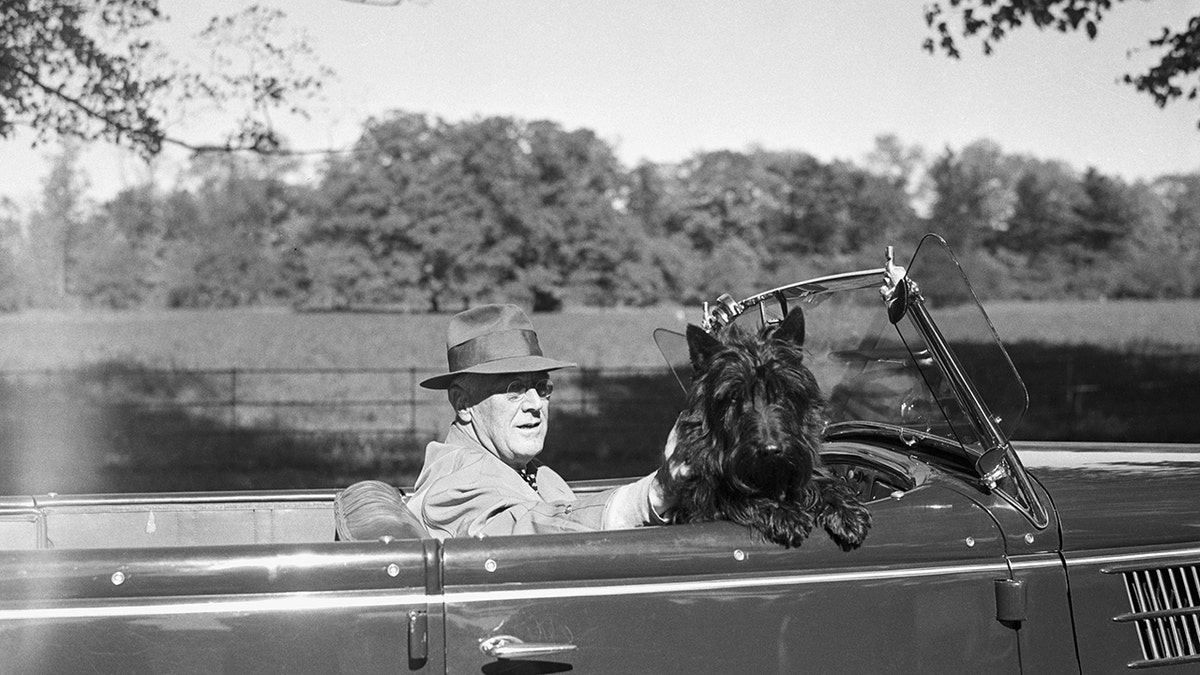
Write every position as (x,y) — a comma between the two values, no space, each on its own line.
(466,597)
(1035,564)
(331,600)
(193,605)
(181,498)
(1131,557)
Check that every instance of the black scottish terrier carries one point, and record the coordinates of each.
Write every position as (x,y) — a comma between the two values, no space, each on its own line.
(748,440)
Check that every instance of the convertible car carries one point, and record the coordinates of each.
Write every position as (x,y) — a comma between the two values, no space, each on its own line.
(985,555)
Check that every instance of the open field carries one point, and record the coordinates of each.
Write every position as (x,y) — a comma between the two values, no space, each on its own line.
(1124,325)
(592,338)
(282,339)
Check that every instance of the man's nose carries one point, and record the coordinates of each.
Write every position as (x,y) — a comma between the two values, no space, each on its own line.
(530,399)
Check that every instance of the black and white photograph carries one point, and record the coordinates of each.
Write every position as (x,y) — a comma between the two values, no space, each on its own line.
(870,330)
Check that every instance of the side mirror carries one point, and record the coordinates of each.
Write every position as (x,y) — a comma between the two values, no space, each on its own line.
(990,467)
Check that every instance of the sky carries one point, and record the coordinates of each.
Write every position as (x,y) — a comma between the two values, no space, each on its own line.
(663,79)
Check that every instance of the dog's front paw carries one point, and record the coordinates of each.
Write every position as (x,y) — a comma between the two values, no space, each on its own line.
(847,524)
(843,516)
(784,525)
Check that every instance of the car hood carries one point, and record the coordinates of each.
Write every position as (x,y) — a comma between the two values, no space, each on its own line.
(1117,495)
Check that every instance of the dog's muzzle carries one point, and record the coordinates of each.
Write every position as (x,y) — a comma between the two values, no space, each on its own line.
(772,469)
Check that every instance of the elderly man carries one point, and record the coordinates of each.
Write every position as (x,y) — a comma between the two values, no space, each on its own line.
(484,479)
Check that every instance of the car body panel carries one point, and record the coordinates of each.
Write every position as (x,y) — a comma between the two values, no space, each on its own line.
(690,598)
(1084,477)
(282,608)
(1117,540)
(1046,634)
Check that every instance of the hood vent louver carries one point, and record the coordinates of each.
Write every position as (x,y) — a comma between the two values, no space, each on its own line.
(1165,610)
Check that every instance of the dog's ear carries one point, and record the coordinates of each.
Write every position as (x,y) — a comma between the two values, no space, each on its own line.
(792,327)
(701,347)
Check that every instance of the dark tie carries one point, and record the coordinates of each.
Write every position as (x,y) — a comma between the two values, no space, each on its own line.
(529,474)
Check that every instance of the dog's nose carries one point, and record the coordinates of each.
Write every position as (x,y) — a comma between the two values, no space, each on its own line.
(772,449)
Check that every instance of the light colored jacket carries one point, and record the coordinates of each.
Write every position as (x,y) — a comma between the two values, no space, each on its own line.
(464,490)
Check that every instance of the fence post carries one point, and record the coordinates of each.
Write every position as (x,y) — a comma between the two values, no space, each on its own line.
(584,386)
(1072,395)
(412,401)
(233,398)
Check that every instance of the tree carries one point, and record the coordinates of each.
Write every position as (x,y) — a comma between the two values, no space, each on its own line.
(224,249)
(974,194)
(1163,254)
(835,211)
(492,208)
(903,165)
(86,69)
(57,74)
(1180,194)
(13,278)
(1175,76)
(56,226)
(1165,249)
(589,243)
(123,257)
(253,68)
(1045,214)
(397,218)
(1107,216)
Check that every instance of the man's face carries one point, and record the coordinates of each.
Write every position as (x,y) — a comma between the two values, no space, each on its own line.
(513,427)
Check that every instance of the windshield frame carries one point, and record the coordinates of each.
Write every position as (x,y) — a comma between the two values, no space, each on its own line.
(985,448)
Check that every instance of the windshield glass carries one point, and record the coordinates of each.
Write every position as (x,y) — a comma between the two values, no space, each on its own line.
(875,372)
(954,307)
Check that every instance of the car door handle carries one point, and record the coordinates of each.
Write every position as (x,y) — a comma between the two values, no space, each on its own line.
(509,647)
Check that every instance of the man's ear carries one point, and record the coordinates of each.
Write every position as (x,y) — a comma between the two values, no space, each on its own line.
(460,401)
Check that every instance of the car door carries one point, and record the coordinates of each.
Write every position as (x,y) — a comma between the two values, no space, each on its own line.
(919,596)
(317,608)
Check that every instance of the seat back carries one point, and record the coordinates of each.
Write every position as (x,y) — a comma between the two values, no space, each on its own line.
(370,510)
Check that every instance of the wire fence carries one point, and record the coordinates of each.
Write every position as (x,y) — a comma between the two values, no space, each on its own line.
(1072,387)
(121,427)
(285,400)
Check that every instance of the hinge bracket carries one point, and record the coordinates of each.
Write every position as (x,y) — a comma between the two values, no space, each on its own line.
(1010,602)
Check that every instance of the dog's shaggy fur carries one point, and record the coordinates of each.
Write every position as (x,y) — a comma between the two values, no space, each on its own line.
(747,443)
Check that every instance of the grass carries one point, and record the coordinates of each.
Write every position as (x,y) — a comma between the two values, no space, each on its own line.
(279,339)
(592,338)
(1125,325)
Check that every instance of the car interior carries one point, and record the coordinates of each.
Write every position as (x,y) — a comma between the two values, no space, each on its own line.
(364,511)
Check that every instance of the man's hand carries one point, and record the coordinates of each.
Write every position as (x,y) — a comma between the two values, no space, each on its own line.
(660,504)
(676,468)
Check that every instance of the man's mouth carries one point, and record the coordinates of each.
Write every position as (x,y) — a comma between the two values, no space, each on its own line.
(530,425)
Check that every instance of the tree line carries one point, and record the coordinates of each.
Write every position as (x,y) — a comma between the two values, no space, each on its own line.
(427,214)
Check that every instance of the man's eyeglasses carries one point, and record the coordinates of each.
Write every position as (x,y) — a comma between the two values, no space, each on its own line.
(517,389)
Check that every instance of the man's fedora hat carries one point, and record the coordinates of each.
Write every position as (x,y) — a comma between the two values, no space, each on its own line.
(492,339)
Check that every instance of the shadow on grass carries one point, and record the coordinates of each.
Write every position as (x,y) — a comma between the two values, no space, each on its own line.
(121,427)
(621,432)
(1076,393)
(1088,393)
